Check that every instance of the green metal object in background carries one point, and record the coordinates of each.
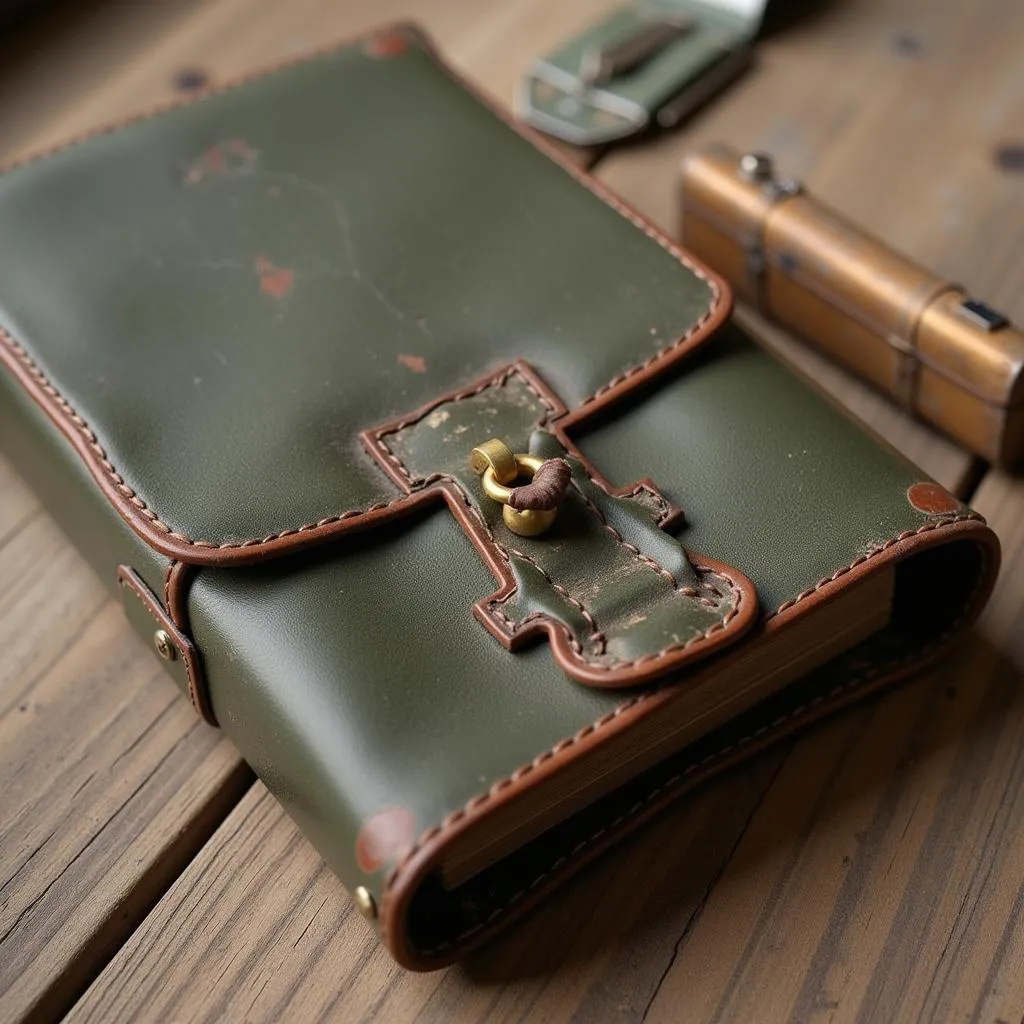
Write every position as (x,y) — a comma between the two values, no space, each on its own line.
(646,65)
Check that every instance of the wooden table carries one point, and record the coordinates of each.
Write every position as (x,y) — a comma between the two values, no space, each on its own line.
(871,870)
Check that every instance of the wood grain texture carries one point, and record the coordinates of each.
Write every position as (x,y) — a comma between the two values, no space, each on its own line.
(272,936)
(892,112)
(108,782)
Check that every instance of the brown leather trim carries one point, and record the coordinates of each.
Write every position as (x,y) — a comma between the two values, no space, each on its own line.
(149,525)
(733,624)
(197,693)
(179,575)
(178,580)
(424,856)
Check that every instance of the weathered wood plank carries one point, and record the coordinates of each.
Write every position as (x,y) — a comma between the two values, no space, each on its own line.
(852,101)
(601,943)
(17,505)
(108,782)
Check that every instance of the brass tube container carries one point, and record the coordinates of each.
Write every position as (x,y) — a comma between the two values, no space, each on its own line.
(944,356)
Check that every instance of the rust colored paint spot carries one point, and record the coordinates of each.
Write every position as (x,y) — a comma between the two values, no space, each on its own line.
(415,363)
(932,499)
(227,159)
(274,281)
(388,44)
(385,837)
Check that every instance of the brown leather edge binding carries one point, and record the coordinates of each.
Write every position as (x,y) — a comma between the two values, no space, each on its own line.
(128,577)
(423,857)
(176,545)
(176,593)
(732,625)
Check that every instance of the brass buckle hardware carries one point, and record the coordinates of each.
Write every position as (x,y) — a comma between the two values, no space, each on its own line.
(500,468)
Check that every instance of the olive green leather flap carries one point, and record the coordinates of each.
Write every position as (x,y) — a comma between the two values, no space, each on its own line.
(227,294)
(251,285)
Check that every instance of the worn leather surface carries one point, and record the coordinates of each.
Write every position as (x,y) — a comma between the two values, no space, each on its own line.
(620,599)
(229,293)
(292,220)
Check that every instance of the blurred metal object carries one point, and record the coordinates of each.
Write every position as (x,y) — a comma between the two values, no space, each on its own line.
(947,357)
(649,63)
(612,60)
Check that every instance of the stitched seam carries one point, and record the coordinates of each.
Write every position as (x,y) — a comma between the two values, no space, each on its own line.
(193,696)
(600,638)
(663,787)
(497,381)
(651,563)
(874,552)
(590,183)
(83,428)
(661,353)
(483,798)
(597,637)
(663,504)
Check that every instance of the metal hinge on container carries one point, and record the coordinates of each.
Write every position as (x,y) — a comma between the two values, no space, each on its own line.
(646,64)
(759,170)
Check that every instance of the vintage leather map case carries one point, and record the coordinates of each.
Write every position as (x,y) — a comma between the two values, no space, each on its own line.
(249,342)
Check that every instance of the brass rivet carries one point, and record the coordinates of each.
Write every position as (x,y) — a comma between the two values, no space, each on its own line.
(365,903)
(164,645)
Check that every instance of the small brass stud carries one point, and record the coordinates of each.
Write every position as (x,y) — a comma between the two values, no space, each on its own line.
(365,903)
(164,645)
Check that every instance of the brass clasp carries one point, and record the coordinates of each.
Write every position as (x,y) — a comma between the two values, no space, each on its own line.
(500,468)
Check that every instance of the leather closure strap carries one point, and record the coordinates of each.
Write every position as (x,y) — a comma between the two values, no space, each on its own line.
(177,651)
(619,599)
